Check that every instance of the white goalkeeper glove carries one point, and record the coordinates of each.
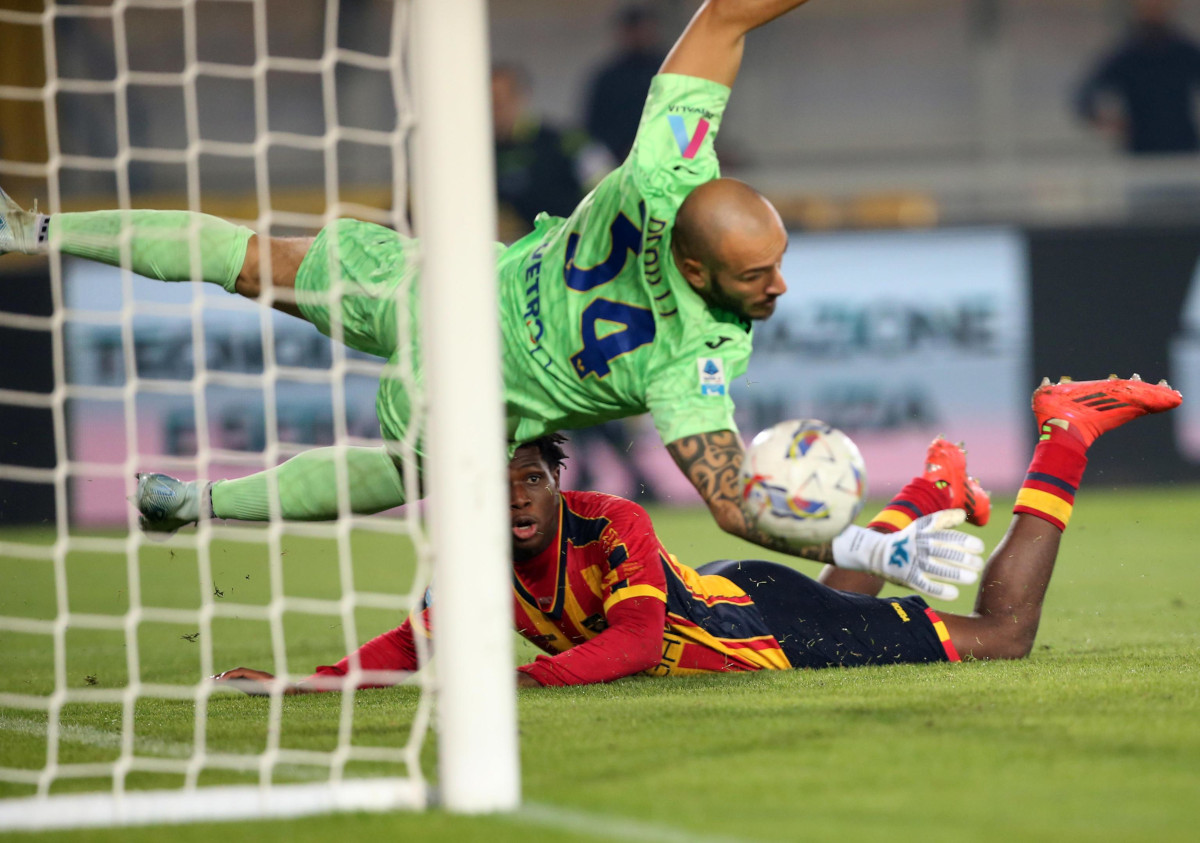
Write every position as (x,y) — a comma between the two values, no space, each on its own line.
(924,551)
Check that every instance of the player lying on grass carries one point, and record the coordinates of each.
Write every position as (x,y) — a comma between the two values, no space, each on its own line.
(595,589)
(680,260)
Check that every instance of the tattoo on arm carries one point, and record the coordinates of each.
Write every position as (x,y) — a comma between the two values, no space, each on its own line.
(712,461)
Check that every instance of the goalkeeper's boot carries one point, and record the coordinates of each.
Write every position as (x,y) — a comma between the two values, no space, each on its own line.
(1087,409)
(21,230)
(946,468)
(166,504)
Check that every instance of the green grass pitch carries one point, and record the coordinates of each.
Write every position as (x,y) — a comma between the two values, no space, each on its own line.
(1095,737)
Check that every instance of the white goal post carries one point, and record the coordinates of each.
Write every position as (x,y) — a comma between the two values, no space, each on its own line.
(438,65)
(476,691)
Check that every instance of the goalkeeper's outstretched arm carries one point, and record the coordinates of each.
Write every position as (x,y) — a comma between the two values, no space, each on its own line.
(712,44)
(712,462)
(927,550)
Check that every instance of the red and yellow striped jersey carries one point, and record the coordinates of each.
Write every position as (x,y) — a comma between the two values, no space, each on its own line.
(607,553)
(606,600)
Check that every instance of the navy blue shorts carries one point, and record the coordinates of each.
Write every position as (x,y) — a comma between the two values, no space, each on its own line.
(818,626)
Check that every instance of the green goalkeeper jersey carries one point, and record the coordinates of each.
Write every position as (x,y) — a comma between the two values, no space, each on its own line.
(597,322)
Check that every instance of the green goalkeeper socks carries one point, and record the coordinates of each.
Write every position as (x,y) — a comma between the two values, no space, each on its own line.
(308,489)
(159,242)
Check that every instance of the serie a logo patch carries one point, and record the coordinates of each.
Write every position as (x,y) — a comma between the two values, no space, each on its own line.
(712,375)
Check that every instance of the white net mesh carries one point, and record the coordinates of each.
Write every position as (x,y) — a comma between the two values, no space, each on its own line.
(280,115)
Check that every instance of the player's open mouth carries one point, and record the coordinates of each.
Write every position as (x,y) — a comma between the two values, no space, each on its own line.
(524,528)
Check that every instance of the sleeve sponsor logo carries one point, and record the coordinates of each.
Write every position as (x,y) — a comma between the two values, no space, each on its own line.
(712,375)
(689,144)
(679,108)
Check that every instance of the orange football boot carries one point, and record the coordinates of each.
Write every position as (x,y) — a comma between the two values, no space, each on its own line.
(1091,408)
(946,468)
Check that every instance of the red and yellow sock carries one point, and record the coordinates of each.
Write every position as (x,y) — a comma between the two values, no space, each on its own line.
(1054,474)
(920,497)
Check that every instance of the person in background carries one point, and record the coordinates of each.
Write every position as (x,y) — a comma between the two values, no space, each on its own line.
(536,163)
(1143,91)
(618,89)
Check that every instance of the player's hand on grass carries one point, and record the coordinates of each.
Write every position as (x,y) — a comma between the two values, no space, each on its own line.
(524,680)
(928,555)
(256,683)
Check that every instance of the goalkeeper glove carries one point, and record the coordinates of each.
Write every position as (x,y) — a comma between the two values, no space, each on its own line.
(923,552)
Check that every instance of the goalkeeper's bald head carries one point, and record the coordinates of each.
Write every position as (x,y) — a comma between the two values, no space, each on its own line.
(728,243)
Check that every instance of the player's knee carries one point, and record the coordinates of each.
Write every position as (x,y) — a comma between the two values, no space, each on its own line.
(275,260)
(1025,627)
(1012,637)
(1014,649)
(248,283)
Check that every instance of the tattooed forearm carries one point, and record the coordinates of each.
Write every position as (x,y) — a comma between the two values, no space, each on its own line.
(815,552)
(712,461)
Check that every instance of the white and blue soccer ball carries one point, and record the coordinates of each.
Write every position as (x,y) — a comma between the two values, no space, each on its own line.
(802,481)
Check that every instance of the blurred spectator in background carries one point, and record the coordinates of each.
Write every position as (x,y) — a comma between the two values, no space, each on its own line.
(538,166)
(618,90)
(1143,91)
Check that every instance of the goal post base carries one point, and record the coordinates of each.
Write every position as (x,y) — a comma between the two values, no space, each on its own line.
(210,804)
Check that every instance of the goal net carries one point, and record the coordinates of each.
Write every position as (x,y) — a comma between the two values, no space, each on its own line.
(280,115)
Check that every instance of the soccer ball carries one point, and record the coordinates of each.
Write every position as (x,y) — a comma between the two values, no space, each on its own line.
(802,481)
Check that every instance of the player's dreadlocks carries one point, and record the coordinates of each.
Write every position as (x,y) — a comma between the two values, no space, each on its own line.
(550,447)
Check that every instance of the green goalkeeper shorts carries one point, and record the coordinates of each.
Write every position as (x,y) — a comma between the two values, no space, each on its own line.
(371,271)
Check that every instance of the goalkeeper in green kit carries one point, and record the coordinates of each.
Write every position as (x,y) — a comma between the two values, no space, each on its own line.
(641,300)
